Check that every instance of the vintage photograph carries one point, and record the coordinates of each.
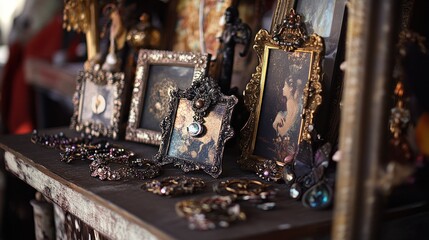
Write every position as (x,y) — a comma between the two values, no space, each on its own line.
(197,149)
(97,104)
(161,80)
(282,95)
(326,18)
(159,72)
(196,128)
(280,118)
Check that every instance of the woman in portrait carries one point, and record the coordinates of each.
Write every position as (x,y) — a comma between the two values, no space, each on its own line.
(288,121)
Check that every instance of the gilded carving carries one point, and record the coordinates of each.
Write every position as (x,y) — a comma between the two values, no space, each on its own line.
(289,62)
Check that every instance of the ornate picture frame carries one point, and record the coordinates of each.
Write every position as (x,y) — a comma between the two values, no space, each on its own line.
(196,128)
(98,103)
(158,72)
(327,18)
(282,95)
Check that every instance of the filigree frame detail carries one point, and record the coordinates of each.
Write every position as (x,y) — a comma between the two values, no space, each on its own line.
(199,61)
(290,34)
(99,77)
(205,88)
(253,95)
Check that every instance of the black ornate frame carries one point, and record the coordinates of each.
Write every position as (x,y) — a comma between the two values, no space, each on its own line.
(203,96)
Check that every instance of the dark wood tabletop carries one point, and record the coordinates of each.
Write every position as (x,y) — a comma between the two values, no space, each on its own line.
(122,210)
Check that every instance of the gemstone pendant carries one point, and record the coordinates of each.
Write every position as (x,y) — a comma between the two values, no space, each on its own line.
(295,191)
(319,196)
(288,175)
(195,129)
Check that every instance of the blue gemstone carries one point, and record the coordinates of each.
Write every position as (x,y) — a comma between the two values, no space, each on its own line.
(194,129)
(318,196)
(295,191)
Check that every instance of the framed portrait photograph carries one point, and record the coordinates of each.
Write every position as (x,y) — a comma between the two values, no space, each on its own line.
(158,72)
(194,139)
(98,103)
(280,111)
(282,96)
(326,18)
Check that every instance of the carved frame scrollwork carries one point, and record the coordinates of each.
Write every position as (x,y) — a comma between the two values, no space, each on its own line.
(198,61)
(216,112)
(114,83)
(253,93)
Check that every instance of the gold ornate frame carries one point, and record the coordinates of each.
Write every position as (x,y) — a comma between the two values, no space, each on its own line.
(146,59)
(290,39)
(111,86)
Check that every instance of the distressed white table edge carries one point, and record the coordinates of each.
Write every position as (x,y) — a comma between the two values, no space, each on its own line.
(117,223)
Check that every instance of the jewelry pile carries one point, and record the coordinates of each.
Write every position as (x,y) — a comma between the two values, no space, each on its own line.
(174,186)
(210,212)
(101,154)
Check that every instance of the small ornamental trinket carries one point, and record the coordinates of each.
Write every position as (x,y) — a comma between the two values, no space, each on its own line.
(130,167)
(247,190)
(195,129)
(318,197)
(269,170)
(174,186)
(210,212)
(98,104)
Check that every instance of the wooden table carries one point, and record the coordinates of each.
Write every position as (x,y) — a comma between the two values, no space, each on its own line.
(121,210)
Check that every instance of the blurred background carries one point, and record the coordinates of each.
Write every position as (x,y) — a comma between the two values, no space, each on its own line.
(39,61)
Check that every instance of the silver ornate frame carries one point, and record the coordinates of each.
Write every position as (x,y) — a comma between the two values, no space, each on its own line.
(99,78)
(146,58)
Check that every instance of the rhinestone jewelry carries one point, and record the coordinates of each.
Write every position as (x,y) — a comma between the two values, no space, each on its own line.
(174,186)
(246,189)
(210,212)
(135,168)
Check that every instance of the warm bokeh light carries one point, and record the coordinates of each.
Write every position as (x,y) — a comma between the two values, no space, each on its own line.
(422,133)
(8,10)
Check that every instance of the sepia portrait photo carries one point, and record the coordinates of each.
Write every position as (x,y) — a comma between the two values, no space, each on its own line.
(280,119)
(197,149)
(196,128)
